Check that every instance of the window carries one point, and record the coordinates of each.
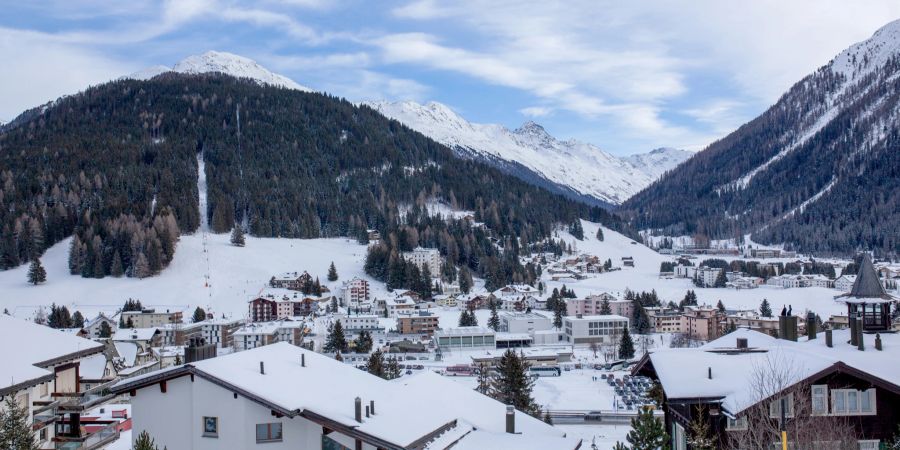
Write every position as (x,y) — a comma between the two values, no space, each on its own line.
(775,407)
(851,402)
(736,424)
(869,445)
(820,399)
(210,426)
(268,432)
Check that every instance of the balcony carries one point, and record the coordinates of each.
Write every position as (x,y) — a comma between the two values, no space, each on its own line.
(81,401)
(86,440)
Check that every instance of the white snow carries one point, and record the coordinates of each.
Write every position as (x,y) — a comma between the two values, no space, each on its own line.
(222,62)
(583,167)
(201,193)
(864,57)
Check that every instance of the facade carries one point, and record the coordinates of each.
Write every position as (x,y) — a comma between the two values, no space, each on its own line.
(592,305)
(664,320)
(702,322)
(256,335)
(356,323)
(751,320)
(425,257)
(263,309)
(844,282)
(218,332)
(708,275)
(800,281)
(514,322)
(356,292)
(593,329)
(394,306)
(419,322)
(149,318)
(465,337)
(347,408)
(92,327)
(290,280)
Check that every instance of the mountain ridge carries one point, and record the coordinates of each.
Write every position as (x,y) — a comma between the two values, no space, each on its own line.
(221,62)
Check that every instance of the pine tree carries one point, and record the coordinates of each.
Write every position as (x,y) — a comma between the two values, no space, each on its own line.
(720,306)
(483,383)
(494,321)
(647,432)
(375,365)
(36,272)
(721,280)
(336,342)
(512,384)
(15,429)
(363,342)
(141,267)
(77,320)
(332,272)
(237,236)
(199,315)
(392,369)
(465,280)
(558,314)
(145,442)
(626,346)
(620,446)
(116,269)
(600,234)
(605,309)
(765,309)
(547,419)
(105,330)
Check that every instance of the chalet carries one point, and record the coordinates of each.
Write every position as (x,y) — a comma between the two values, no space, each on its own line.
(515,290)
(828,390)
(474,301)
(41,371)
(291,280)
(349,408)
(93,327)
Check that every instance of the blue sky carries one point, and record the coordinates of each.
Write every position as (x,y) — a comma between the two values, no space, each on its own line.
(626,76)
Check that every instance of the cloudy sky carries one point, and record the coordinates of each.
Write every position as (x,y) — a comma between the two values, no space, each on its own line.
(627,76)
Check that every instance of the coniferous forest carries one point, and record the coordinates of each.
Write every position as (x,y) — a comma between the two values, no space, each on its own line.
(116,166)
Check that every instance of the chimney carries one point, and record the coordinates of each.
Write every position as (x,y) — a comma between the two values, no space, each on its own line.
(367,411)
(878,341)
(579,316)
(372,406)
(357,413)
(811,325)
(262,368)
(303,360)
(742,344)
(859,333)
(787,326)
(510,419)
(852,322)
(709,372)
(828,339)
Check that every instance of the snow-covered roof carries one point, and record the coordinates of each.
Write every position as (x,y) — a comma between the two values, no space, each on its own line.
(93,367)
(605,317)
(127,351)
(685,373)
(135,334)
(464,331)
(267,327)
(30,347)
(407,409)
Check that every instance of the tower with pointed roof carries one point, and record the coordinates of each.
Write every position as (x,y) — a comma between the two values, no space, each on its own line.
(868,299)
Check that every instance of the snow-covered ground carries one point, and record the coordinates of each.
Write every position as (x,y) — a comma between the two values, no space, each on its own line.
(234,274)
(222,62)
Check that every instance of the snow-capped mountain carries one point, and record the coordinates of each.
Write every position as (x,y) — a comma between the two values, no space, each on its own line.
(222,62)
(817,171)
(573,167)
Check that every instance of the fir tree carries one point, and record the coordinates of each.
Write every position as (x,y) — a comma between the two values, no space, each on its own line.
(547,419)
(77,320)
(332,272)
(620,446)
(141,267)
(721,280)
(647,432)
(512,384)
(145,442)
(36,272)
(237,236)
(626,346)
(605,309)
(199,315)
(558,314)
(375,365)
(105,330)
(483,383)
(392,369)
(336,342)
(15,429)
(600,233)
(720,306)
(765,309)
(465,280)
(494,321)
(116,269)
(363,342)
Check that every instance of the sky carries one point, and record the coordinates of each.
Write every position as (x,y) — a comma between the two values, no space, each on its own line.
(626,76)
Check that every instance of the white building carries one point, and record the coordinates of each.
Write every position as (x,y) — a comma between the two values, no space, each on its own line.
(465,337)
(425,257)
(284,397)
(40,371)
(518,322)
(393,306)
(588,329)
(800,281)
(356,323)
(355,292)
(259,334)
(844,282)
(94,326)
(708,275)
(685,271)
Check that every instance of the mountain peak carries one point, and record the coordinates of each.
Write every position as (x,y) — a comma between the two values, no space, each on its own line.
(866,56)
(531,128)
(226,63)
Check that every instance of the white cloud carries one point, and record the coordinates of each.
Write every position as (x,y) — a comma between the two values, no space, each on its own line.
(536,111)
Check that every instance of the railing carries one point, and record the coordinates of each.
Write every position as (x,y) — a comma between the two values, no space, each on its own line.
(82,400)
(92,441)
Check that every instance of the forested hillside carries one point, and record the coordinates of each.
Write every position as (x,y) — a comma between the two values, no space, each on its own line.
(117,166)
(818,171)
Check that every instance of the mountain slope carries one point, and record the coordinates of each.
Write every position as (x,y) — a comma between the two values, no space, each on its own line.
(574,168)
(117,166)
(817,171)
(222,62)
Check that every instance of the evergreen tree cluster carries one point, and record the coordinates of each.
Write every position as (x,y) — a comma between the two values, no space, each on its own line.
(117,166)
(59,317)
(467,318)
(15,427)
(386,264)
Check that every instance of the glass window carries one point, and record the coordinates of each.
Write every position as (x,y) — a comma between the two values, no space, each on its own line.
(867,401)
(210,426)
(852,401)
(268,432)
(837,400)
(820,399)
